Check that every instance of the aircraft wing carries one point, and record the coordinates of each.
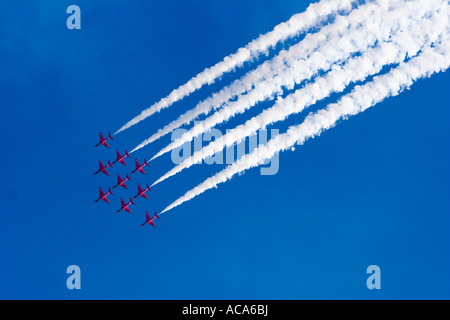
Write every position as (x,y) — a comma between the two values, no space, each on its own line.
(127,209)
(141,170)
(106,200)
(152,223)
(122,161)
(105,172)
(143,195)
(105,144)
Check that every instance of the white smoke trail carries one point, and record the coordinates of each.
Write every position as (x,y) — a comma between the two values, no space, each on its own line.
(282,66)
(377,25)
(429,61)
(407,42)
(315,14)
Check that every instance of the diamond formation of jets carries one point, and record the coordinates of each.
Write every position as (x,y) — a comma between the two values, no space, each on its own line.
(121,182)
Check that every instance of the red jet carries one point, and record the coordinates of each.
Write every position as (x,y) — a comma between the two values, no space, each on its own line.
(149,220)
(139,167)
(125,205)
(121,158)
(121,182)
(102,168)
(103,196)
(103,140)
(141,192)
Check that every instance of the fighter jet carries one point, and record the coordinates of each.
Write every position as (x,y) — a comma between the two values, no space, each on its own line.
(121,158)
(125,205)
(103,196)
(102,168)
(141,192)
(149,220)
(121,182)
(139,167)
(103,140)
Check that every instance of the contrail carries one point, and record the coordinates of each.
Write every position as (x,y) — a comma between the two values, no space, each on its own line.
(429,61)
(379,26)
(357,69)
(315,14)
(282,67)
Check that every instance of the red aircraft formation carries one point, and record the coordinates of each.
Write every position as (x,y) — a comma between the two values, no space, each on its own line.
(121,182)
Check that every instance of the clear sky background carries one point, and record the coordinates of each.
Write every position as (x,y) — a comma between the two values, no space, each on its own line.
(373,190)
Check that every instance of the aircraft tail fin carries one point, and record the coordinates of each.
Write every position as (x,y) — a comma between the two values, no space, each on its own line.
(110,164)
(131,200)
(126,153)
(128,177)
(148,187)
(109,190)
(109,135)
(146,163)
(156,215)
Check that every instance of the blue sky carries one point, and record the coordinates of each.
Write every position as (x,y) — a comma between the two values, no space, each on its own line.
(372,190)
